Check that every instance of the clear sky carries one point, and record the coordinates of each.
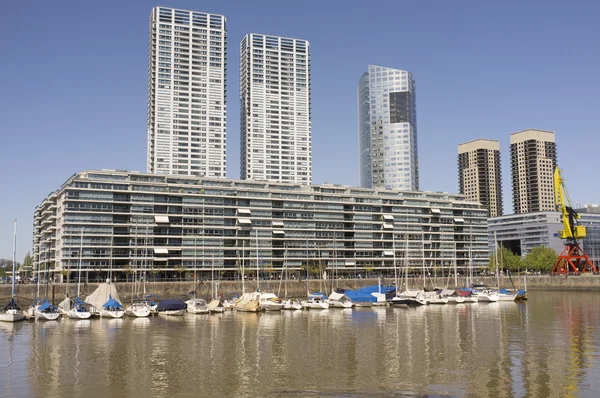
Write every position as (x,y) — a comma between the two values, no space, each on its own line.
(74,85)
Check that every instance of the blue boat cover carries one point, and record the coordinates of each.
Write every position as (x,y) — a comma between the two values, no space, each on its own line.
(112,304)
(78,301)
(360,297)
(45,306)
(171,305)
(317,295)
(363,295)
(504,291)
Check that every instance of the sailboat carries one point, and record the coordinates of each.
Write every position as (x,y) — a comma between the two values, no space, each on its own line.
(139,308)
(79,309)
(408,297)
(248,302)
(268,301)
(12,312)
(112,309)
(287,303)
(452,295)
(196,305)
(45,311)
(215,305)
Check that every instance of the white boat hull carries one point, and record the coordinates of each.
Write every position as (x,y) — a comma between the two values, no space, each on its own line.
(507,297)
(138,312)
(487,298)
(172,312)
(194,310)
(47,316)
(315,306)
(439,300)
(456,300)
(219,310)
(12,316)
(112,314)
(271,306)
(79,314)
(340,304)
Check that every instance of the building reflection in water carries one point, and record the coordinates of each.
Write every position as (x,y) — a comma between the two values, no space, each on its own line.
(546,347)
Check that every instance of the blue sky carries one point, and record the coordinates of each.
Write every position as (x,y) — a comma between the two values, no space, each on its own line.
(74,85)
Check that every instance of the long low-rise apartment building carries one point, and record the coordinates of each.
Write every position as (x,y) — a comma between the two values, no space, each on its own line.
(118,222)
(522,232)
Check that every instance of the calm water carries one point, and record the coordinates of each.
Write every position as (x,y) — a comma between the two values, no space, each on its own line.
(546,347)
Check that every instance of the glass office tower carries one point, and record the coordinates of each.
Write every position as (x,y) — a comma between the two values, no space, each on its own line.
(387,129)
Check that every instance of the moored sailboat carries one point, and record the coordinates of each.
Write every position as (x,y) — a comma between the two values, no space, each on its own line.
(12,312)
(46,311)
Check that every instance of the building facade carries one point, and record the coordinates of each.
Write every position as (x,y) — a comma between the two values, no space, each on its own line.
(187,118)
(387,129)
(275,109)
(522,232)
(532,162)
(125,221)
(479,174)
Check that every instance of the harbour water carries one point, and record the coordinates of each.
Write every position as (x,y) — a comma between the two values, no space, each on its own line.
(548,346)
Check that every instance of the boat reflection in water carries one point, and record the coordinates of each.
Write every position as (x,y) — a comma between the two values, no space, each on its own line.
(540,348)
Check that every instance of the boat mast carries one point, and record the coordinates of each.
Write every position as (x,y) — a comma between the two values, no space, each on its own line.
(423,250)
(195,257)
(135,237)
(395,269)
(497,271)
(212,276)
(243,271)
(285,268)
(80,256)
(334,262)
(14,270)
(470,269)
(145,259)
(307,275)
(455,268)
(406,262)
(37,294)
(257,274)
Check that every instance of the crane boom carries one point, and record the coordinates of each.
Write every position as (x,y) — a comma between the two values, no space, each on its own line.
(571,228)
(572,259)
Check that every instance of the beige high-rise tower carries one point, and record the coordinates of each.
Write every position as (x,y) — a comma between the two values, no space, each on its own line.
(532,163)
(479,174)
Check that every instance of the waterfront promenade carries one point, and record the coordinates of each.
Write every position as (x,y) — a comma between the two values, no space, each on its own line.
(298,288)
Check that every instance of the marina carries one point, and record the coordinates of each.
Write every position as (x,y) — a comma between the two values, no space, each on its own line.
(544,347)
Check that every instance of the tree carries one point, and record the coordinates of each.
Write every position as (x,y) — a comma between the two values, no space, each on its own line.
(314,268)
(507,260)
(180,270)
(28,260)
(540,258)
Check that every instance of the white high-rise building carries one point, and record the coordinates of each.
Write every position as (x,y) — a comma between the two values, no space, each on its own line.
(187,93)
(387,129)
(275,109)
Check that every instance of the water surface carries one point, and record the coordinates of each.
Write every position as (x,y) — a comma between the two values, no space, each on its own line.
(546,347)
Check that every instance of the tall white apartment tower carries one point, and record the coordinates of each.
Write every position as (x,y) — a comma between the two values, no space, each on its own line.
(387,129)
(275,109)
(186,93)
